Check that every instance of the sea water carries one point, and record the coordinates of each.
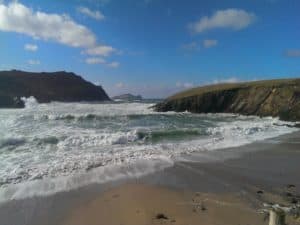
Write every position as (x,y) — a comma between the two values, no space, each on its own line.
(46,148)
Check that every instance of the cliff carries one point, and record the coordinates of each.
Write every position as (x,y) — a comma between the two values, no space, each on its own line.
(276,98)
(46,87)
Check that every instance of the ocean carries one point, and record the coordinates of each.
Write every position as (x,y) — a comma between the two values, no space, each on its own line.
(47,148)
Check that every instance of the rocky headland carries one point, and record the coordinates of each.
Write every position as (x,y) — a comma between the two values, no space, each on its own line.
(46,87)
(276,98)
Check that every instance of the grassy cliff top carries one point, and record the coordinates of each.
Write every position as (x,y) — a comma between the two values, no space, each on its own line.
(227,86)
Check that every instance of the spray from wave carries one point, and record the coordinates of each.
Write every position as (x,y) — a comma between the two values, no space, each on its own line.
(30,102)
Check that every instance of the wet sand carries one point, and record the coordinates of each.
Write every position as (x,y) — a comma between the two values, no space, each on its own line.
(240,178)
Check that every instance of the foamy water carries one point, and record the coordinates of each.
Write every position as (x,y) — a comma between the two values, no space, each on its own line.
(46,148)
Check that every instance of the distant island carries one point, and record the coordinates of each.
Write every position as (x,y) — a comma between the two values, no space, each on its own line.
(46,87)
(276,98)
(128,97)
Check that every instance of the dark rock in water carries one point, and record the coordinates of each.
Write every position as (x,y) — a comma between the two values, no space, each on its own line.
(161,216)
(46,87)
(128,97)
(291,186)
(277,98)
(294,201)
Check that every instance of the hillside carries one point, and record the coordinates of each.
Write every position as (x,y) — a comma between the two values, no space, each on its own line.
(277,98)
(46,87)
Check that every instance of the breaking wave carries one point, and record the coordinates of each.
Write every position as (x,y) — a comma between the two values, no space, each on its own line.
(30,102)
(59,146)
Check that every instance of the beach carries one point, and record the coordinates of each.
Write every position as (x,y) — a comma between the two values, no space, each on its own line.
(228,186)
(147,112)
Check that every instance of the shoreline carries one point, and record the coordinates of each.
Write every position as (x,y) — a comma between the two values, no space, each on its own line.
(268,166)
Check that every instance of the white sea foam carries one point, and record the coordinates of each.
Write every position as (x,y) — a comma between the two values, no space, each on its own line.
(30,102)
(46,147)
(96,176)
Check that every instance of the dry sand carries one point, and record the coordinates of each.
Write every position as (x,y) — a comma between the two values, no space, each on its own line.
(137,204)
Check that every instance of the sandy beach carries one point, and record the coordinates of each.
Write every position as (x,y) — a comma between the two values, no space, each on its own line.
(223,187)
(138,204)
(149,112)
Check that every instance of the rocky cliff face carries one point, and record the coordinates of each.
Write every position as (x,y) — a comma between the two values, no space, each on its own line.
(277,98)
(46,87)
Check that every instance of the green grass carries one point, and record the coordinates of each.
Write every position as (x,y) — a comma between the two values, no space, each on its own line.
(226,86)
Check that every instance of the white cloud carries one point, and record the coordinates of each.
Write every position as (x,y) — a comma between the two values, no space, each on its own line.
(16,17)
(100,50)
(293,53)
(184,85)
(98,60)
(208,43)
(30,47)
(235,19)
(113,64)
(95,61)
(97,15)
(195,46)
(227,80)
(33,62)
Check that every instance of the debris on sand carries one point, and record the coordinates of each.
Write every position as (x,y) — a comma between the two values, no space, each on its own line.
(161,216)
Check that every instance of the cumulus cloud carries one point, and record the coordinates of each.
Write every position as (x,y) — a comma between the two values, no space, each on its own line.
(95,61)
(208,43)
(100,50)
(97,15)
(33,62)
(98,60)
(235,19)
(30,47)
(16,17)
(293,53)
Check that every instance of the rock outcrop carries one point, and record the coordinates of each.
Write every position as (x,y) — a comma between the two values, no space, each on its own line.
(276,98)
(46,87)
(128,97)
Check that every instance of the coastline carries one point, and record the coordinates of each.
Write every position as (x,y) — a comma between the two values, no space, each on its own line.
(235,173)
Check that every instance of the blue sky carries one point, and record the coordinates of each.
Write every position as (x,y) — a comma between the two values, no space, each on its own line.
(153,47)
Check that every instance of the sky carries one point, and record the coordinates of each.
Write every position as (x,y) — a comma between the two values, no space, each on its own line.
(153,47)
